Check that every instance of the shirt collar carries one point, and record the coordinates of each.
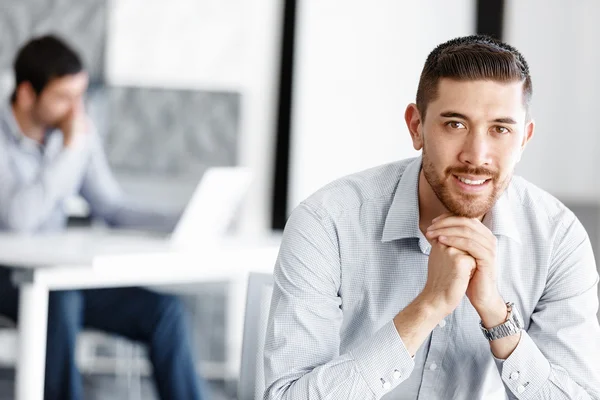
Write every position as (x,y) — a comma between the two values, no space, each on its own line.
(402,220)
(500,218)
(10,122)
(14,130)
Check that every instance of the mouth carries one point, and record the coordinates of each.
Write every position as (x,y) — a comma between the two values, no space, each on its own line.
(472,183)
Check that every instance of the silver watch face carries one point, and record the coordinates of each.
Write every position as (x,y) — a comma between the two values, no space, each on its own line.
(512,326)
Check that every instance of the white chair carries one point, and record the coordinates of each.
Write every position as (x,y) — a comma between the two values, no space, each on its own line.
(258,302)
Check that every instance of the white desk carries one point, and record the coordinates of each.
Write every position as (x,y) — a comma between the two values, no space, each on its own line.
(80,259)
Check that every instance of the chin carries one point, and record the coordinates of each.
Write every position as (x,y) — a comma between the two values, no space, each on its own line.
(469,208)
(469,212)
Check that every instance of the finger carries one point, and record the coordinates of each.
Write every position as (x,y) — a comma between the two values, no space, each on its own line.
(442,216)
(436,242)
(472,223)
(442,246)
(453,220)
(475,249)
(463,232)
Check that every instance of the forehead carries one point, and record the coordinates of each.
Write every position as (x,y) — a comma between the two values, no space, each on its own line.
(68,84)
(479,98)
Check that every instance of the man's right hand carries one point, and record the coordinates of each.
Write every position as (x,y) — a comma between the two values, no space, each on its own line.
(449,272)
(448,276)
(75,123)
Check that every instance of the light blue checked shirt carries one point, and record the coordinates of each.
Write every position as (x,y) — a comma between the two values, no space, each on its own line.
(353,256)
(36,181)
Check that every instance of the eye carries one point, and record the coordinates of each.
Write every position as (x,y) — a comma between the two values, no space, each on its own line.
(455,125)
(501,130)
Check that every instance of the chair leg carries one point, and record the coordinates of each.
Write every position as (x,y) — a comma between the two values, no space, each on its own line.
(136,372)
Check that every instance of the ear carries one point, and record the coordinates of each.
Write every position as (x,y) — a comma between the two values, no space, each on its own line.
(529,131)
(414,124)
(26,96)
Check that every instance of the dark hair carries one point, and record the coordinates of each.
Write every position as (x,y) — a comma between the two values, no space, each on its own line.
(474,57)
(43,59)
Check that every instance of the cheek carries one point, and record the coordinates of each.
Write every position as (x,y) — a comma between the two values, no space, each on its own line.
(510,155)
(52,105)
(57,110)
(443,153)
(506,165)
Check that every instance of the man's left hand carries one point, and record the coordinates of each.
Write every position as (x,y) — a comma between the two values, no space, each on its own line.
(472,236)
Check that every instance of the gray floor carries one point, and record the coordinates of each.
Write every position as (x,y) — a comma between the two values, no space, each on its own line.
(111,388)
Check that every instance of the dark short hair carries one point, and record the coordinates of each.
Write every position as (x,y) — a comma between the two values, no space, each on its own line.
(43,59)
(475,57)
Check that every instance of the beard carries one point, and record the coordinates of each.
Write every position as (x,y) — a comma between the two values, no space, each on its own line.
(42,118)
(468,205)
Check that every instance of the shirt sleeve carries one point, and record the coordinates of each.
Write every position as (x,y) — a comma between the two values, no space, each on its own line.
(302,346)
(26,203)
(107,201)
(559,356)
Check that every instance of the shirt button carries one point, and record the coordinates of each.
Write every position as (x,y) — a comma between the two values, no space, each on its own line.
(521,389)
(442,323)
(514,376)
(433,367)
(386,385)
(397,374)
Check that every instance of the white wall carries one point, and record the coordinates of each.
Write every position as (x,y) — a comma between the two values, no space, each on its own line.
(357,67)
(230,45)
(176,43)
(259,109)
(559,40)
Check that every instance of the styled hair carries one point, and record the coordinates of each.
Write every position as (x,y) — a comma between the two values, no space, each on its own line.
(475,57)
(43,59)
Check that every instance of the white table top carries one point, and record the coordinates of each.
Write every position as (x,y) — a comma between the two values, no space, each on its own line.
(74,246)
(86,258)
(81,246)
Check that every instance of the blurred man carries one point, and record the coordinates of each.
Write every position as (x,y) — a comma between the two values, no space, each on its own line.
(48,153)
(443,276)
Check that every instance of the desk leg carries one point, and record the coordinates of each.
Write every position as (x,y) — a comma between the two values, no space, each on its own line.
(236,305)
(33,318)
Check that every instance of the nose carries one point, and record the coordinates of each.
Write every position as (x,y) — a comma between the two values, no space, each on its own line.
(476,150)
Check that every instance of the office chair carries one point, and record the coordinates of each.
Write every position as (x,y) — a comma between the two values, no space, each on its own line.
(258,302)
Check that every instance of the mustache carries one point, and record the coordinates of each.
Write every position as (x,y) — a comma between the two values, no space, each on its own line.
(478,171)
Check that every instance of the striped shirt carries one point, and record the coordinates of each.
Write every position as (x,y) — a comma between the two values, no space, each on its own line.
(36,181)
(353,256)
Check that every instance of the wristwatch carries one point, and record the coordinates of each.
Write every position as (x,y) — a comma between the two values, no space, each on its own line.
(512,325)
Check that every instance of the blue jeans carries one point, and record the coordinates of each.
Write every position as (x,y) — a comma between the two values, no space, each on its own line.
(141,315)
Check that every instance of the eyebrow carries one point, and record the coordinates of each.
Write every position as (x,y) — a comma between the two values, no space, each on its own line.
(452,114)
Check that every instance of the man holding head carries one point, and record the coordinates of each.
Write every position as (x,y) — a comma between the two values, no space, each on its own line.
(49,152)
(443,276)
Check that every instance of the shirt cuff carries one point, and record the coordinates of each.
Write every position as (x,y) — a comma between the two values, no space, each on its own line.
(383,360)
(526,370)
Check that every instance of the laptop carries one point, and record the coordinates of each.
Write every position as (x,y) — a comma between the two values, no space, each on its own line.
(213,206)
(207,217)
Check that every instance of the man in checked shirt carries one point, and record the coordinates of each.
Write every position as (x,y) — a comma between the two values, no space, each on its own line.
(443,276)
(48,153)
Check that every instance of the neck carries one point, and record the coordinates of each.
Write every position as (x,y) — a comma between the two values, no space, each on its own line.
(27,125)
